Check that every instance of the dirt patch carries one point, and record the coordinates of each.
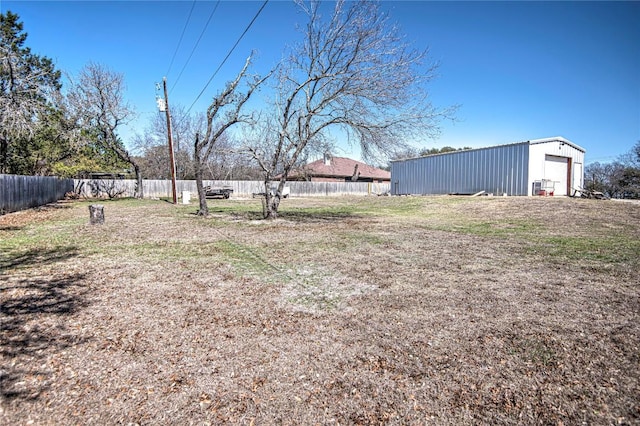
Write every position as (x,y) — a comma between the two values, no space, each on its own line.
(382,310)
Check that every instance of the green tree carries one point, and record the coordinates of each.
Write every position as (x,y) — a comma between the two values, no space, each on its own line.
(29,86)
(443,150)
(55,140)
(630,182)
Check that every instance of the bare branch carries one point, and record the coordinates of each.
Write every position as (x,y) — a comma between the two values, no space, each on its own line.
(98,105)
(225,111)
(353,72)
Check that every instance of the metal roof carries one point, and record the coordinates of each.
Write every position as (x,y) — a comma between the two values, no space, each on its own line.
(529,142)
(557,139)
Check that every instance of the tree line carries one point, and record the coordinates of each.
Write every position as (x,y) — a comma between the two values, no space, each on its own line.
(351,70)
(618,179)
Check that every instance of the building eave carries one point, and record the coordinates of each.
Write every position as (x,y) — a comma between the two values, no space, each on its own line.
(529,142)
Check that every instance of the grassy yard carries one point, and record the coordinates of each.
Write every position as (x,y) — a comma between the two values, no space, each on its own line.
(370,310)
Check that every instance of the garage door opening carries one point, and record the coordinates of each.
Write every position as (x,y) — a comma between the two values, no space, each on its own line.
(556,169)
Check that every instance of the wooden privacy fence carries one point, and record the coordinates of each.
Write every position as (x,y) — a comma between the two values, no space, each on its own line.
(23,192)
(241,189)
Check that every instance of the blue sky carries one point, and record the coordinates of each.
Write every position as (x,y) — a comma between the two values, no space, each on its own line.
(518,70)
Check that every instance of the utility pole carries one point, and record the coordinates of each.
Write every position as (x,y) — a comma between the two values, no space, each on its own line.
(172,160)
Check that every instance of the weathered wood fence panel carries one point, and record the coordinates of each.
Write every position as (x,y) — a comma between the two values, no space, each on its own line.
(241,189)
(23,192)
(315,189)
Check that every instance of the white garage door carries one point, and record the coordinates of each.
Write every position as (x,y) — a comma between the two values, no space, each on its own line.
(555,169)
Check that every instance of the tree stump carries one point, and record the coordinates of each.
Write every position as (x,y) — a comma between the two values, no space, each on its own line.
(96,214)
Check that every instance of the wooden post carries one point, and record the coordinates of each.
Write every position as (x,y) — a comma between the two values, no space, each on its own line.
(170,137)
(96,214)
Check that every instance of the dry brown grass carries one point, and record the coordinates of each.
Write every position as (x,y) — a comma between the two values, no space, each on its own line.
(345,311)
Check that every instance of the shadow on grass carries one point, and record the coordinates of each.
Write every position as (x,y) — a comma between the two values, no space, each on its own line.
(314,215)
(10,228)
(35,257)
(57,205)
(34,311)
(300,216)
(253,212)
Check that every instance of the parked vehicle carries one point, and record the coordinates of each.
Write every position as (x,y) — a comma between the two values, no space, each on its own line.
(224,192)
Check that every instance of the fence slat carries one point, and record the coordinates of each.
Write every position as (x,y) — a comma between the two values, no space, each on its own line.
(241,189)
(23,192)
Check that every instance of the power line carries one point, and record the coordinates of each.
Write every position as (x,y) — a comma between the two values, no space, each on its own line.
(228,54)
(196,45)
(181,36)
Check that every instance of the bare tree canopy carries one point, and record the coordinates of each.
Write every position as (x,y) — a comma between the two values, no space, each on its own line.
(619,179)
(224,112)
(355,73)
(632,157)
(28,83)
(97,100)
(152,144)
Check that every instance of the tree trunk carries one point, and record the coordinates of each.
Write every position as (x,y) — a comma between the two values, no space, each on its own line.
(273,200)
(270,207)
(202,196)
(139,193)
(4,152)
(271,203)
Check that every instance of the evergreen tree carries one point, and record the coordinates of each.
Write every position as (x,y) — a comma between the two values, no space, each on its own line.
(28,85)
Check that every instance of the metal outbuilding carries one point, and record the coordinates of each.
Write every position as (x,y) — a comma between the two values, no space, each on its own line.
(552,166)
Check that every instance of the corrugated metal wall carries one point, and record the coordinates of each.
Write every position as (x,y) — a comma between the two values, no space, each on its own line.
(499,170)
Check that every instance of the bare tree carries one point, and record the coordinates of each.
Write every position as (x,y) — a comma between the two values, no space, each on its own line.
(225,111)
(353,72)
(618,179)
(225,162)
(229,163)
(632,157)
(97,99)
(152,145)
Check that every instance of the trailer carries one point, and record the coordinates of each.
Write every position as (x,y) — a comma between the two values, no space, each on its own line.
(588,193)
(224,192)
(286,191)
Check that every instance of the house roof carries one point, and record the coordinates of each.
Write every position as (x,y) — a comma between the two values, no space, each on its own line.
(341,167)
